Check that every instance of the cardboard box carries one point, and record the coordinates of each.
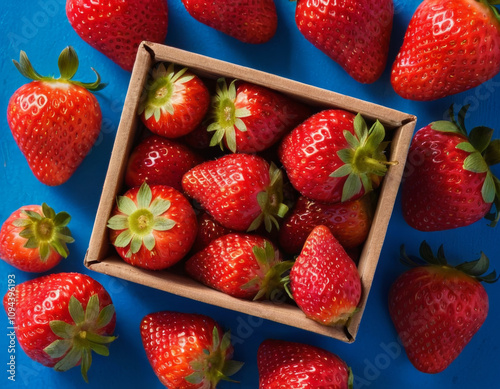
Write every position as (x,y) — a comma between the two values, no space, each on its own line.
(101,256)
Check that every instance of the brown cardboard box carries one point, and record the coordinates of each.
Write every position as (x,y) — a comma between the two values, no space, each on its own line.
(102,258)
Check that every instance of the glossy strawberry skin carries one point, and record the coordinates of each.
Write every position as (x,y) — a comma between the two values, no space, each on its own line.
(437,192)
(436,311)
(159,161)
(309,155)
(44,299)
(252,21)
(283,364)
(171,245)
(449,47)
(12,248)
(272,115)
(228,263)
(324,280)
(55,124)
(355,34)
(227,188)
(117,27)
(172,340)
(349,222)
(208,230)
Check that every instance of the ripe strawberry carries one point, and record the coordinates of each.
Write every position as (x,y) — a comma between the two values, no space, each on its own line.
(333,157)
(240,265)
(437,308)
(186,350)
(159,161)
(349,222)
(292,365)
(448,182)
(239,190)
(34,238)
(449,47)
(59,319)
(117,27)
(173,102)
(208,230)
(324,280)
(55,122)
(152,227)
(355,34)
(250,118)
(253,21)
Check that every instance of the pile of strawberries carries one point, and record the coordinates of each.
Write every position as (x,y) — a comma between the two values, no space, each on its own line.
(255,194)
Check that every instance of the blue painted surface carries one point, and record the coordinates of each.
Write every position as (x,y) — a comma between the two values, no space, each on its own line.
(42,30)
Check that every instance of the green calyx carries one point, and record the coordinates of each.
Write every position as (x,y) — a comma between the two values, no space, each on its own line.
(213,366)
(475,269)
(271,202)
(363,159)
(157,96)
(47,232)
(68,65)
(483,153)
(271,273)
(139,220)
(226,118)
(79,339)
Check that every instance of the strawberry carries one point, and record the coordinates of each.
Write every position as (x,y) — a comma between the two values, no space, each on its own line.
(59,319)
(333,156)
(55,122)
(34,238)
(252,21)
(186,351)
(250,118)
(240,265)
(449,47)
(239,190)
(448,182)
(152,227)
(349,222)
(208,230)
(355,34)
(117,27)
(437,308)
(324,281)
(292,365)
(159,161)
(173,102)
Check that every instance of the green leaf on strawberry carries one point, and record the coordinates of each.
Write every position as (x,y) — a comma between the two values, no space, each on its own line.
(364,158)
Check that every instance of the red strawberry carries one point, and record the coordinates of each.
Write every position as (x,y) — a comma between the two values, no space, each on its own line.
(448,183)
(152,227)
(291,365)
(349,222)
(253,21)
(450,46)
(173,102)
(55,122)
(34,238)
(324,280)
(240,265)
(437,308)
(251,118)
(333,156)
(159,161)
(117,27)
(208,230)
(239,190)
(355,34)
(59,319)
(186,350)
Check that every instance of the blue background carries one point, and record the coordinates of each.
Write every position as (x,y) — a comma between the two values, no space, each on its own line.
(42,30)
